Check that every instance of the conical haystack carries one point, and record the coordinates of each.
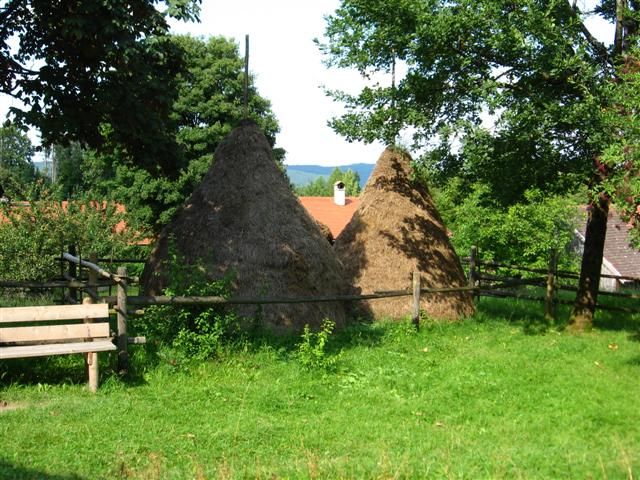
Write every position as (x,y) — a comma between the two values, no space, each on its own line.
(244,219)
(396,230)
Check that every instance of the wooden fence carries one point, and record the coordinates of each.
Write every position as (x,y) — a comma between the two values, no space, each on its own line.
(482,281)
(482,274)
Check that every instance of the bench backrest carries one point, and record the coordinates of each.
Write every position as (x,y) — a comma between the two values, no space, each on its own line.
(52,314)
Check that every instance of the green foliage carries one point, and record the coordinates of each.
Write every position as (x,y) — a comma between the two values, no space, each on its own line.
(17,172)
(33,235)
(528,66)
(102,73)
(312,350)
(322,187)
(70,172)
(210,97)
(207,106)
(621,157)
(461,58)
(524,233)
(189,333)
(474,399)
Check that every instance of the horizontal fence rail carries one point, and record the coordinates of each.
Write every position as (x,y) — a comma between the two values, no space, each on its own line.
(550,282)
(480,283)
(92,266)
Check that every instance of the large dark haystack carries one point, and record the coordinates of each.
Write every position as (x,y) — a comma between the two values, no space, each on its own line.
(396,230)
(244,219)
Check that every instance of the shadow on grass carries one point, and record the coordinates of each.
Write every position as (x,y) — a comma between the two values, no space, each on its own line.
(358,332)
(527,314)
(11,472)
(62,370)
(530,315)
(607,320)
(635,361)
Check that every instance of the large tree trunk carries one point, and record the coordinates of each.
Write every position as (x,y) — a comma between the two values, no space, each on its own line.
(587,296)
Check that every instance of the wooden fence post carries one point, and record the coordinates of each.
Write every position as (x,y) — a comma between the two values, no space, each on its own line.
(549,298)
(73,274)
(121,309)
(473,265)
(91,358)
(416,300)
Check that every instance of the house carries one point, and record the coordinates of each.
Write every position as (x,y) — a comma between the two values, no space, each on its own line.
(334,212)
(620,259)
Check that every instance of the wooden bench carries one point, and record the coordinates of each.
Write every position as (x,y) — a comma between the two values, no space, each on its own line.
(52,338)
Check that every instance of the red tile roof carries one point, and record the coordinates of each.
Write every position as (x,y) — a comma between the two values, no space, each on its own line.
(324,210)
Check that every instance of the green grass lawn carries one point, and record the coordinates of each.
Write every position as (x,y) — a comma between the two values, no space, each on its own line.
(483,398)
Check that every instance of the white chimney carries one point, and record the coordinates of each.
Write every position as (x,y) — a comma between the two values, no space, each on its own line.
(339,196)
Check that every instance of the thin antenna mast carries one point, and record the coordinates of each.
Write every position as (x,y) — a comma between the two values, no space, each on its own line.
(246,76)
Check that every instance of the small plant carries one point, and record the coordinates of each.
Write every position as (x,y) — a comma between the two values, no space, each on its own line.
(312,350)
(197,332)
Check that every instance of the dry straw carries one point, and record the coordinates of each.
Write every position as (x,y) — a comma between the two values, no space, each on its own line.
(396,230)
(244,218)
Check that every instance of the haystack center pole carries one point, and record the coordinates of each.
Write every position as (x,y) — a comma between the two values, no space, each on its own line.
(246,76)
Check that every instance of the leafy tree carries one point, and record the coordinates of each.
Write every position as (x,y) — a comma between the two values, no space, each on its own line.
(69,172)
(322,187)
(101,73)
(32,236)
(208,106)
(17,172)
(533,65)
(210,97)
(621,156)
(317,188)
(524,233)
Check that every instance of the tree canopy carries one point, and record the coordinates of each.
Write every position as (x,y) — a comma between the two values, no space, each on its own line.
(209,104)
(17,172)
(532,66)
(101,73)
(322,187)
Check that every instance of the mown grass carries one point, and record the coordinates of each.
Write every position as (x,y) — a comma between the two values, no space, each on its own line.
(484,398)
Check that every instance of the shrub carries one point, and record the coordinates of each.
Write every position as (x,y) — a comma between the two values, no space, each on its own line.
(312,350)
(190,332)
(33,235)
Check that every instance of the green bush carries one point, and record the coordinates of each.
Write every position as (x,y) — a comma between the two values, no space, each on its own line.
(312,350)
(524,233)
(33,235)
(189,332)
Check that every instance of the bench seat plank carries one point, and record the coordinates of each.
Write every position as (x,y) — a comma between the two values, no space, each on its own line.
(53,312)
(55,349)
(54,332)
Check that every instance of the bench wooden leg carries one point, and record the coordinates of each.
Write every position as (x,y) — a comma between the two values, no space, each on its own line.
(92,364)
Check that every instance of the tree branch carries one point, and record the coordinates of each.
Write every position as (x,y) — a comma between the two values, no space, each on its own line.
(599,47)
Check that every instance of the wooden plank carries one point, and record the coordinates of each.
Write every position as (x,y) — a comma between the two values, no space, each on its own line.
(93,370)
(54,332)
(121,309)
(415,317)
(53,312)
(29,351)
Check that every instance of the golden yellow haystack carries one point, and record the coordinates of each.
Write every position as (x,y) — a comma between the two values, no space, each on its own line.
(244,219)
(396,230)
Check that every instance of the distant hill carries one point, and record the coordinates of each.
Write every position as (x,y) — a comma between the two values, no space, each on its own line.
(42,166)
(301,175)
